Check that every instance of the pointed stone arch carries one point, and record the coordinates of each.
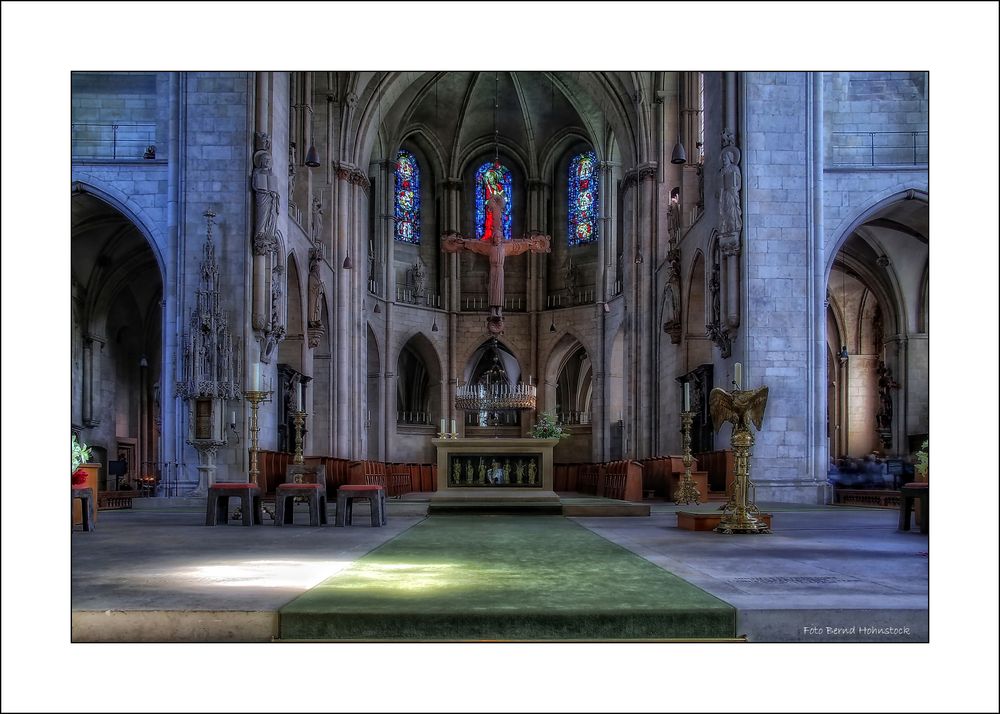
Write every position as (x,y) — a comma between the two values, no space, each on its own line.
(118,340)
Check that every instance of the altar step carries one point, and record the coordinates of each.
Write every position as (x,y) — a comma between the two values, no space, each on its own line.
(565,504)
(495,508)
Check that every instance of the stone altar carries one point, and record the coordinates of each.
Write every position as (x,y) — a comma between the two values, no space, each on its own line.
(473,488)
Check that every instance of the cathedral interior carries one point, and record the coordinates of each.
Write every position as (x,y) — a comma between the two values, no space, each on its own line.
(714,280)
(289,226)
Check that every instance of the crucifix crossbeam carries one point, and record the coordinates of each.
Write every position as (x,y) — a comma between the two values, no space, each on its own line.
(496,249)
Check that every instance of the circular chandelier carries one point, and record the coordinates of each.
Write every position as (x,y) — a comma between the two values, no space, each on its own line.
(495,397)
(493,393)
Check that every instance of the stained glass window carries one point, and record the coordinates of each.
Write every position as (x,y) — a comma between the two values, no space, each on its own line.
(491,176)
(583,198)
(407,198)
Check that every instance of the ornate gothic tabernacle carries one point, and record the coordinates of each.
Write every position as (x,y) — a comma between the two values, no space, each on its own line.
(211,358)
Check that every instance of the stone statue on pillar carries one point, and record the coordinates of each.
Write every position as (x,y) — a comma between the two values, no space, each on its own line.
(266,198)
(317,290)
(672,297)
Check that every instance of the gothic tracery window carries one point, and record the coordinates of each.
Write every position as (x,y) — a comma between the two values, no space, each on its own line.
(407,198)
(583,199)
(490,177)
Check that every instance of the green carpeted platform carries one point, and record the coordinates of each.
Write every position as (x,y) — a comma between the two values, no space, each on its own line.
(501,577)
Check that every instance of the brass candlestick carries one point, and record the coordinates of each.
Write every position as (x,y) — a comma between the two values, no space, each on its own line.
(740,407)
(687,492)
(300,419)
(255,398)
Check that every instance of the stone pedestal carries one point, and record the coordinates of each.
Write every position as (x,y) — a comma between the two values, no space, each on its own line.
(207,450)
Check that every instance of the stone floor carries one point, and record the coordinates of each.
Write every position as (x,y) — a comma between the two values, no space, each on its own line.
(826,574)
(156,578)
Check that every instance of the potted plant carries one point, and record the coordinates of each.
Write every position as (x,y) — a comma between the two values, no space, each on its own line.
(548,428)
(921,466)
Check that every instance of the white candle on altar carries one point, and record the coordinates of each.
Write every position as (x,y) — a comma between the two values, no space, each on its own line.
(255,377)
(739,376)
(232,418)
(687,396)
(298,400)
(453,429)
(442,425)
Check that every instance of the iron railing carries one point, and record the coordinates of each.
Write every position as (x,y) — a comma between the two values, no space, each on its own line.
(572,417)
(569,298)
(481,303)
(408,295)
(413,417)
(878,148)
(113,141)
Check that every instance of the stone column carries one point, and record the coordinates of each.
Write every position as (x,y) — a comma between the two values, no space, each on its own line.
(172,283)
(607,241)
(388,398)
(341,318)
(645,315)
(358,335)
(452,193)
(900,373)
(385,238)
(93,346)
(816,426)
(536,219)
(451,210)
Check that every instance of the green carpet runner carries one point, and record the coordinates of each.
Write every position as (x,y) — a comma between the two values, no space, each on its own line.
(499,577)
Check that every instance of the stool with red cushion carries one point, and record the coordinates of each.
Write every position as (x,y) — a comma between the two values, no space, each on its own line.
(250,503)
(908,492)
(345,501)
(313,493)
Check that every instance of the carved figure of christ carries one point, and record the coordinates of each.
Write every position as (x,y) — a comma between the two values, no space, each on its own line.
(496,249)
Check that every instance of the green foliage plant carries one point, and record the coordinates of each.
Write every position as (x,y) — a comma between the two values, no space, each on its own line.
(922,459)
(548,428)
(81,454)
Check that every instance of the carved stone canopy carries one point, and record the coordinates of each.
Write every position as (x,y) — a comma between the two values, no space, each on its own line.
(211,360)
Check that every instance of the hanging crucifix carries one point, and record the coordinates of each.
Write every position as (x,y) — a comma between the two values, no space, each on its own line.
(493,245)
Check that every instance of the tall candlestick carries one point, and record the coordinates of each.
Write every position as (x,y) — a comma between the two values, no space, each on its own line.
(739,376)
(687,396)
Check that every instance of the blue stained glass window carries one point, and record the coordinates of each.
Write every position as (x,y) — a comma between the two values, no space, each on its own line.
(584,184)
(492,174)
(407,198)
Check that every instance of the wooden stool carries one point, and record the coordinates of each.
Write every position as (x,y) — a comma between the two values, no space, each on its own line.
(86,497)
(345,501)
(218,503)
(315,495)
(908,492)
